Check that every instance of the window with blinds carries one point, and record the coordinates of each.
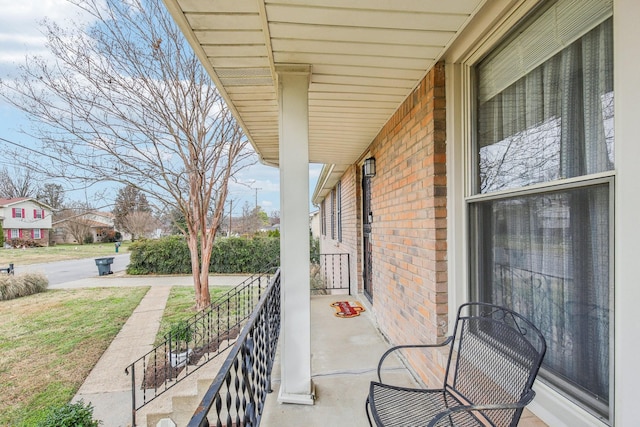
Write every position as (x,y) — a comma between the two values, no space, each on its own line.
(541,220)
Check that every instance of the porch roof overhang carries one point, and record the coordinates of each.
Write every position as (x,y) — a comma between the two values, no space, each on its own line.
(366,57)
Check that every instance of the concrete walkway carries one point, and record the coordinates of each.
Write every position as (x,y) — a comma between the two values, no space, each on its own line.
(108,387)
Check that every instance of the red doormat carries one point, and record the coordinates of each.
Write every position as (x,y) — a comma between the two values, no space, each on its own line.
(347,308)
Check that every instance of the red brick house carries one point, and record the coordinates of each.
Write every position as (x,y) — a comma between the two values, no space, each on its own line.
(502,173)
(25,219)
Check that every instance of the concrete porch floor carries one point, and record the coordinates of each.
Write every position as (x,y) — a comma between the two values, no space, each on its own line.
(344,358)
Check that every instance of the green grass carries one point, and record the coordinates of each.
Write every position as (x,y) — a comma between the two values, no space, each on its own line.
(180,306)
(49,342)
(60,252)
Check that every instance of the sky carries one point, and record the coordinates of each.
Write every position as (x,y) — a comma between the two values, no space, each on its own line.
(20,36)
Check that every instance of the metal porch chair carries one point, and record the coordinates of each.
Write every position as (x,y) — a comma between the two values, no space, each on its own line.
(494,358)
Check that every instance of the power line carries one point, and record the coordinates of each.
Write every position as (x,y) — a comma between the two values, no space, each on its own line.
(57,159)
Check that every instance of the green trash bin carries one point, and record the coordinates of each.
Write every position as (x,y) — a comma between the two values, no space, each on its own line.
(104,265)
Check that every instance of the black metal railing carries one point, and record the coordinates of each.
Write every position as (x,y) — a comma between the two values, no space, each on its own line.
(332,274)
(209,333)
(237,395)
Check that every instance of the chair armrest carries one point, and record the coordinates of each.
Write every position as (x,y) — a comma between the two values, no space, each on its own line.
(398,347)
(524,401)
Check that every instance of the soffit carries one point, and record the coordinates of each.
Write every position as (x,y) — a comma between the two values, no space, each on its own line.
(366,56)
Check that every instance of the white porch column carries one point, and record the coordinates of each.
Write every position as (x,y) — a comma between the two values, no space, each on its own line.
(295,335)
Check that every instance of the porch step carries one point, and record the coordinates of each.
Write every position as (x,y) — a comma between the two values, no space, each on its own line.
(180,402)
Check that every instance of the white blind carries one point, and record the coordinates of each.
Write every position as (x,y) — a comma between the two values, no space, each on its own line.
(559,26)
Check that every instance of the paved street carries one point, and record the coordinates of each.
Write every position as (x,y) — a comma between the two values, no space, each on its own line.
(59,272)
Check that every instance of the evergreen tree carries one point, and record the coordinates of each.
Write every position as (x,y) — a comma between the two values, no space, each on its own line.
(128,201)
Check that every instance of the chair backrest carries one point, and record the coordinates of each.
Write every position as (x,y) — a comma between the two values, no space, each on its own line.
(495,357)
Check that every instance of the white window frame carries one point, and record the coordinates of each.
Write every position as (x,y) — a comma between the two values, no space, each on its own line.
(551,406)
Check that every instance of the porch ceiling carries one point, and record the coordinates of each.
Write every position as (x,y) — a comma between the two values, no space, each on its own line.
(366,57)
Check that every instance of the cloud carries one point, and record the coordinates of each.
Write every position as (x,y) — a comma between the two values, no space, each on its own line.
(314,171)
(20,32)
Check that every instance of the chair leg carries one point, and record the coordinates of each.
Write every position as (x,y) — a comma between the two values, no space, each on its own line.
(366,409)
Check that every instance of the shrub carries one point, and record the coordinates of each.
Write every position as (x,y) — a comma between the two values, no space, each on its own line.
(170,255)
(180,333)
(70,415)
(241,255)
(314,247)
(88,239)
(22,285)
(110,237)
(24,243)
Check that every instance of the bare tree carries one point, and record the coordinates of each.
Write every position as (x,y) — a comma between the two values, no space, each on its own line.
(73,222)
(19,182)
(128,101)
(52,195)
(140,223)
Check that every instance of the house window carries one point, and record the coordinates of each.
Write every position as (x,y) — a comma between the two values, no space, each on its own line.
(333,214)
(17,212)
(339,210)
(15,233)
(541,218)
(37,234)
(323,218)
(38,213)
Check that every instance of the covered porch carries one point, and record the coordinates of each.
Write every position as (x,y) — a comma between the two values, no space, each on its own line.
(339,82)
(315,82)
(344,355)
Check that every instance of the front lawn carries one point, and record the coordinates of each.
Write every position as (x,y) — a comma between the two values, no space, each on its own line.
(180,306)
(60,252)
(49,342)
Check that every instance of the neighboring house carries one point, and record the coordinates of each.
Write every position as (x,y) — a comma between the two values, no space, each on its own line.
(102,224)
(505,170)
(25,219)
(99,225)
(314,224)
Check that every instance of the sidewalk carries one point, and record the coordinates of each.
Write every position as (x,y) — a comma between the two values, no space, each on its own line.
(120,279)
(108,387)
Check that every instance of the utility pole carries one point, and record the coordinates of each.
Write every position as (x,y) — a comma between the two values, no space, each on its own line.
(257,218)
(230,216)
(257,198)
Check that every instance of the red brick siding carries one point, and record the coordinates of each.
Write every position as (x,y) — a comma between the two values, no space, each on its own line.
(350,219)
(409,224)
(27,234)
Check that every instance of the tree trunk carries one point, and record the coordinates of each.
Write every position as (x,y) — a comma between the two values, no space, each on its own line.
(200,276)
(207,244)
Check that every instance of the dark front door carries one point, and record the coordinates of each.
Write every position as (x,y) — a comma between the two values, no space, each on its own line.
(366,236)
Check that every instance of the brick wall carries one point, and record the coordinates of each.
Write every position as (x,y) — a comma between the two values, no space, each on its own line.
(409,222)
(27,234)
(351,232)
(409,206)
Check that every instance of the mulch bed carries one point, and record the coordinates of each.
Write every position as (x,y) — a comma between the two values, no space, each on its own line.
(161,371)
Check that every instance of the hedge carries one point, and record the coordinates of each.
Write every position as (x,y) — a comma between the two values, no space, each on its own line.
(170,255)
